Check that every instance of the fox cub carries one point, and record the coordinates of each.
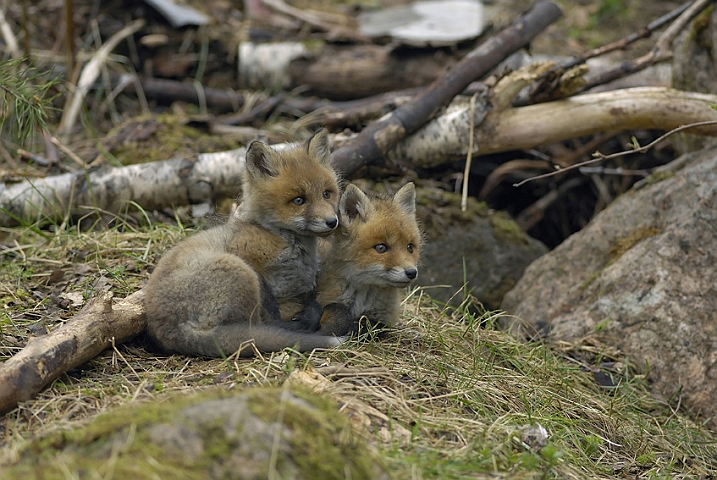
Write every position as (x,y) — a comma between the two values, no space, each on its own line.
(221,290)
(371,257)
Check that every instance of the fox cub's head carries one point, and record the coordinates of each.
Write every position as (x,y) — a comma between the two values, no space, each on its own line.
(294,189)
(380,236)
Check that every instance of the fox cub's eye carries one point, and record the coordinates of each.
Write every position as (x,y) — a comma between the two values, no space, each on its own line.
(327,194)
(381,248)
(410,248)
(299,201)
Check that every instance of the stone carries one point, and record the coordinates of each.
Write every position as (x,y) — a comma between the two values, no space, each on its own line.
(640,277)
(254,433)
(493,248)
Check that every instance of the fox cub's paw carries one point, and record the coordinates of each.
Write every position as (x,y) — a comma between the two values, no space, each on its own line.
(308,319)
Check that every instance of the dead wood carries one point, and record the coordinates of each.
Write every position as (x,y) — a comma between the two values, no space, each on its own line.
(527,127)
(372,144)
(179,181)
(97,326)
(186,181)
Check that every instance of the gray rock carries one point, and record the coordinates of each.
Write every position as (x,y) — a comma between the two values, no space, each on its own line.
(495,250)
(256,433)
(694,68)
(641,277)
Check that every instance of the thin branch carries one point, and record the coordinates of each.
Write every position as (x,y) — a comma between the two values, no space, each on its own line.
(469,156)
(90,73)
(601,157)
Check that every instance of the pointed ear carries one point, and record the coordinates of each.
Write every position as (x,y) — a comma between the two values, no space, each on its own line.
(262,160)
(354,204)
(405,198)
(319,147)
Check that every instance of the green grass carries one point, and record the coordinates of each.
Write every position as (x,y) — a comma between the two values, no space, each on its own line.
(458,393)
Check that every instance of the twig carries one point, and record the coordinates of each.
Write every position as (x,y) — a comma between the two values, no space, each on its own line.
(623,43)
(9,37)
(601,157)
(660,52)
(535,212)
(469,156)
(90,73)
(68,152)
(314,19)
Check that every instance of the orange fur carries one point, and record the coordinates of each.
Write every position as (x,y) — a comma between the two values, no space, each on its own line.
(223,289)
(372,256)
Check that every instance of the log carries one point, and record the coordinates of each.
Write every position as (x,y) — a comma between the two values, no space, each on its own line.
(372,144)
(179,182)
(82,338)
(655,108)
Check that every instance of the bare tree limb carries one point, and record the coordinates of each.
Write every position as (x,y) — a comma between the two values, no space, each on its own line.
(83,337)
(155,185)
(183,181)
(377,139)
(527,127)
(90,73)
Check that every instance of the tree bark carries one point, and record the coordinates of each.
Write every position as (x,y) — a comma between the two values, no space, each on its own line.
(377,139)
(88,333)
(155,185)
(527,127)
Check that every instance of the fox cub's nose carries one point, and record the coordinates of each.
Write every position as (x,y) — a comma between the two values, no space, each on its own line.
(332,222)
(411,273)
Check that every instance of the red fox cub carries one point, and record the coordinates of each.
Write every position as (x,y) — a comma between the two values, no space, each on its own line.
(373,254)
(219,291)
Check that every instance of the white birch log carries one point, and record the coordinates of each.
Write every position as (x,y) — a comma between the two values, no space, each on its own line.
(156,185)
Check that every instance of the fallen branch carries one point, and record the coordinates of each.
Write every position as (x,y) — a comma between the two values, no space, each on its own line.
(527,127)
(374,142)
(90,74)
(82,338)
(183,182)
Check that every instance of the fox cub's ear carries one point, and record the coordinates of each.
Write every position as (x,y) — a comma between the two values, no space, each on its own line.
(262,160)
(354,204)
(319,147)
(405,198)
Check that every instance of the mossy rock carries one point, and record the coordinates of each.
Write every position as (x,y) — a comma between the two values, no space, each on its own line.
(256,433)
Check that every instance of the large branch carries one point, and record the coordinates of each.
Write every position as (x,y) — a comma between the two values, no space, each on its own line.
(527,127)
(378,138)
(155,185)
(88,333)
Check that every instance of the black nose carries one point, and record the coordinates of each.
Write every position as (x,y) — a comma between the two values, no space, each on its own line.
(332,222)
(411,273)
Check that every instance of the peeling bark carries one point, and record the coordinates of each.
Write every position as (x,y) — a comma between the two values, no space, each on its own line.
(178,181)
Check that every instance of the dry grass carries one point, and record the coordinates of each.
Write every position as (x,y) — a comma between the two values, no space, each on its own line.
(464,390)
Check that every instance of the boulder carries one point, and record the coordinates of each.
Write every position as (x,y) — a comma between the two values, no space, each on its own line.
(641,277)
(483,249)
(255,433)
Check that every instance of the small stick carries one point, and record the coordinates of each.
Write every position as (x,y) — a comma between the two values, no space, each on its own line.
(469,156)
(601,157)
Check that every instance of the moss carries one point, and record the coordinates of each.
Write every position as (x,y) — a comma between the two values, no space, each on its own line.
(622,245)
(504,227)
(147,138)
(657,177)
(321,443)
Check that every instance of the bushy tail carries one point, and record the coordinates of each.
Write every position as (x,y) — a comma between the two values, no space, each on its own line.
(224,340)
